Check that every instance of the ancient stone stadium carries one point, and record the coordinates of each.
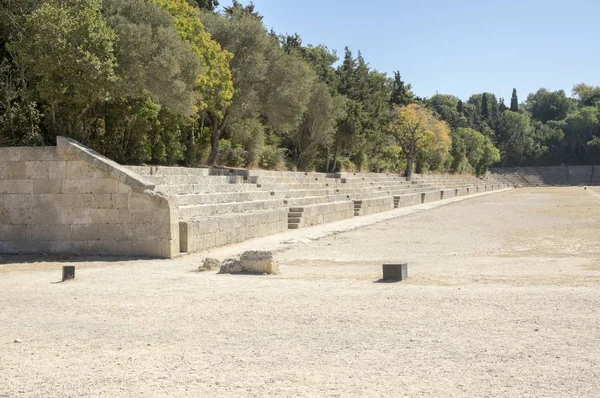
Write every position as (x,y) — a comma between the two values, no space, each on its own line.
(498,293)
(70,200)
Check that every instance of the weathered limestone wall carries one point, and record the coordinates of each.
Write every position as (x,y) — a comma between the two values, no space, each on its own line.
(212,232)
(365,207)
(69,199)
(321,213)
(410,199)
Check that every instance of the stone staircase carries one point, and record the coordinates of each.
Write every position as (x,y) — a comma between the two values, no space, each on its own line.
(580,175)
(548,175)
(555,175)
(510,176)
(223,206)
(532,176)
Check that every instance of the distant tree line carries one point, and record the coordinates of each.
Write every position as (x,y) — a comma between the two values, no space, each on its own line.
(184,82)
(549,128)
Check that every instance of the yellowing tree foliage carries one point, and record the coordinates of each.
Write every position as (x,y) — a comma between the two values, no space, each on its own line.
(214,86)
(418,132)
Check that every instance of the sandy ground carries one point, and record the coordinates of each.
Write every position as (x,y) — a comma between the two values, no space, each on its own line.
(503,300)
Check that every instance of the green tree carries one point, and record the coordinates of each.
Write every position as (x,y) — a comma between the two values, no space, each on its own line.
(581,128)
(67,50)
(586,94)
(401,92)
(317,129)
(321,59)
(516,137)
(20,116)
(371,92)
(514,101)
(268,81)
(446,108)
(485,107)
(545,105)
(349,133)
(489,112)
(151,57)
(472,151)
(214,86)
(548,147)
(502,106)
(209,5)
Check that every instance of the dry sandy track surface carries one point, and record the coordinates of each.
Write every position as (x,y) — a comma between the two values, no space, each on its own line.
(503,300)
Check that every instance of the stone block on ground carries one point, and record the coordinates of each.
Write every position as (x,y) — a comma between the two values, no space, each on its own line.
(259,262)
(210,264)
(231,265)
(251,262)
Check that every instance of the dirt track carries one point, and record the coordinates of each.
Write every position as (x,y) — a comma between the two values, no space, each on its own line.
(503,299)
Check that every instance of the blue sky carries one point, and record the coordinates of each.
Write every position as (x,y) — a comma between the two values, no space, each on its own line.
(455,47)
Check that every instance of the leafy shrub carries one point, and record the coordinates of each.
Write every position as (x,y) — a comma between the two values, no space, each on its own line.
(231,155)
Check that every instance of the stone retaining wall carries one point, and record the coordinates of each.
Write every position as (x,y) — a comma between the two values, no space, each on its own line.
(365,207)
(320,213)
(69,199)
(405,200)
(214,232)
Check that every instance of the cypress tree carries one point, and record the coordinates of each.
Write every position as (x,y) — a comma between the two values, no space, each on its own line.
(502,106)
(514,101)
(401,94)
(485,107)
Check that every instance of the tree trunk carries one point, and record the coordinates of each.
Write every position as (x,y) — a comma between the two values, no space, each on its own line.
(191,152)
(411,160)
(335,156)
(216,136)
(409,167)
(214,147)
(327,164)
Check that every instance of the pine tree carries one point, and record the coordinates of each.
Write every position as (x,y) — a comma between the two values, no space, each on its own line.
(209,5)
(502,106)
(485,107)
(401,94)
(347,72)
(514,101)
(460,107)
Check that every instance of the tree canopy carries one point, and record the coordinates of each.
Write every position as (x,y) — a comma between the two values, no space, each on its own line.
(190,82)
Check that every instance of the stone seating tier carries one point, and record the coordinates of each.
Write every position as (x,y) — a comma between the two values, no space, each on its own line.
(532,176)
(222,206)
(595,176)
(580,175)
(554,175)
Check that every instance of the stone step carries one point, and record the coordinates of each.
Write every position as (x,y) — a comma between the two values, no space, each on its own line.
(222,197)
(373,205)
(309,200)
(208,232)
(324,212)
(580,175)
(554,175)
(293,180)
(407,200)
(190,171)
(192,179)
(196,211)
(188,189)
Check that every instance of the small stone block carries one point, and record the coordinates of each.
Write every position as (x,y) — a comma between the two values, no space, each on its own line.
(395,272)
(68,272)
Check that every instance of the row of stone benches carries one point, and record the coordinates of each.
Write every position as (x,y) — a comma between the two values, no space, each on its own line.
(212,231)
